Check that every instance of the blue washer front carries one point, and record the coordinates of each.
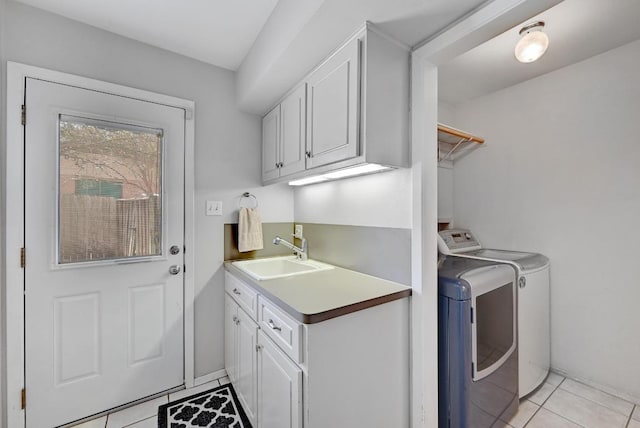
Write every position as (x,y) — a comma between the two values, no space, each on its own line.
(477,343)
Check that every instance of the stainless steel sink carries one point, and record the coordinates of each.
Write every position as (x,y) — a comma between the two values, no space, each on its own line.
(279,267)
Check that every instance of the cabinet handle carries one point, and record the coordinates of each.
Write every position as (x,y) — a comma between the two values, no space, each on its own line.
(235,291)
(308,154)
(235,319)
(280,165)
(273,326)
(258,348)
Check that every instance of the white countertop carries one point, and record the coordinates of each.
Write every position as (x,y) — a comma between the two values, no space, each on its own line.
(318,296)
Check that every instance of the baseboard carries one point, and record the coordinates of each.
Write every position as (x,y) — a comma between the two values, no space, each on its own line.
(209,377)
(603,388)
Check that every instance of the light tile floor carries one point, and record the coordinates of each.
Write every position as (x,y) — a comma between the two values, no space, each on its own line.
(565,403)
(145,415)
(558,403)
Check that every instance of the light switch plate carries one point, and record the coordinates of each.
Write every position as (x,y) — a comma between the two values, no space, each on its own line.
(213,208)
(298,230)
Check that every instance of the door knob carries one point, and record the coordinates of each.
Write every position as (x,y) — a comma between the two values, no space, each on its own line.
(174,250)
(174,270)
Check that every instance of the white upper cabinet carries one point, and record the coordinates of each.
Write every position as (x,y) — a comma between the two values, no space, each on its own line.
(270,145)
(332,108)
(292,147)
(283,137)
(356,111)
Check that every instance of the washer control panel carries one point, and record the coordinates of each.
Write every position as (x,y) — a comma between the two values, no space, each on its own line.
(453,241)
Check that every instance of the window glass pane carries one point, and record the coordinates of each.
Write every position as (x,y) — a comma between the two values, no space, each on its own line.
(494,325)
(110,195)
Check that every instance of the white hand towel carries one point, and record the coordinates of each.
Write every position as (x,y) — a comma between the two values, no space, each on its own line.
(249,230)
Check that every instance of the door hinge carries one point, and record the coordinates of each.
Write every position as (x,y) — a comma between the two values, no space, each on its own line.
(23,257)
(23,115)
(23,398)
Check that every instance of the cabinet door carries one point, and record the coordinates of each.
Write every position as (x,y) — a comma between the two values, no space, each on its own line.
(292,120)
(270,144)
(333,108)
(246,384)
(230,341)
(279,387)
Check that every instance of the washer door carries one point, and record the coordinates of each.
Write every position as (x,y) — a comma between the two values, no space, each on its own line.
(493,317)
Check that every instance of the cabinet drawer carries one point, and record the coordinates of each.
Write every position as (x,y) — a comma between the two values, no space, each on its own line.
(284,330)
(245,296)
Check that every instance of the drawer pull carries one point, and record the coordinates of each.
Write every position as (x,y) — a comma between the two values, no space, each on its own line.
(236,292)
(273,326)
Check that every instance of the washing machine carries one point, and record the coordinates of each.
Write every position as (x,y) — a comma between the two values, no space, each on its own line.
(477,343)
(534,347)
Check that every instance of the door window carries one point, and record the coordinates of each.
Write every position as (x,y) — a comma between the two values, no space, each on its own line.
(109,190)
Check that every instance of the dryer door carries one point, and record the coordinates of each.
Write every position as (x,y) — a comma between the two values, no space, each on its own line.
(493,317)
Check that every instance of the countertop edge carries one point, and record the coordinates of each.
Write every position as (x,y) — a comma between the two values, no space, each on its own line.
(320,316)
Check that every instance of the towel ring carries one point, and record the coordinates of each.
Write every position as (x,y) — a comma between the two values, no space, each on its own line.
(247,195)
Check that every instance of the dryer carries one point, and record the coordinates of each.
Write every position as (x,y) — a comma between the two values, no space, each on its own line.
(477,343)
(534,336)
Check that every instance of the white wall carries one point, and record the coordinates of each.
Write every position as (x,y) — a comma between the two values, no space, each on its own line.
(560,174)
(378,200)
(446,116)
(227,141)
(3,101)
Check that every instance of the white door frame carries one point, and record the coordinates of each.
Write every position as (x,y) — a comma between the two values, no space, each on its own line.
(475,29)
(14,203)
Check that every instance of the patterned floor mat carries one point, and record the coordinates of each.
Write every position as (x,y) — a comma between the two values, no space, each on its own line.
(216,408)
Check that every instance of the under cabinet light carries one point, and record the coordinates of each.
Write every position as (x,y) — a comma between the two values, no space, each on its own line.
(356,170)
(308,180)
(342,173)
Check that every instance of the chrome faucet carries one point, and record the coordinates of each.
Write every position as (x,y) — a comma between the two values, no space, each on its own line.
(300,252)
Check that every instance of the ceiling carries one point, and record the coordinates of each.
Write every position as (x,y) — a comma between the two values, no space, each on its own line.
(272,44)
(577,30)
(300,34)
(218,32)
(221,32)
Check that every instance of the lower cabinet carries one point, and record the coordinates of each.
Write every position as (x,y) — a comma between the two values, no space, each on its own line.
(279,387)
(241,341)
(348,371)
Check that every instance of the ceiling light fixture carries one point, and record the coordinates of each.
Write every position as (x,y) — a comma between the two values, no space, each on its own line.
(533,44)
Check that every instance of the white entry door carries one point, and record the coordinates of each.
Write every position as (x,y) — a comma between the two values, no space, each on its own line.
(104,232)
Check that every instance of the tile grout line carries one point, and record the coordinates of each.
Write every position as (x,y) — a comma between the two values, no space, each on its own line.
(554,390)
(565,418)
(542,404)
(141,420)
(635,406)
(532,416)
(599,404)
(106,423)
(612,395)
